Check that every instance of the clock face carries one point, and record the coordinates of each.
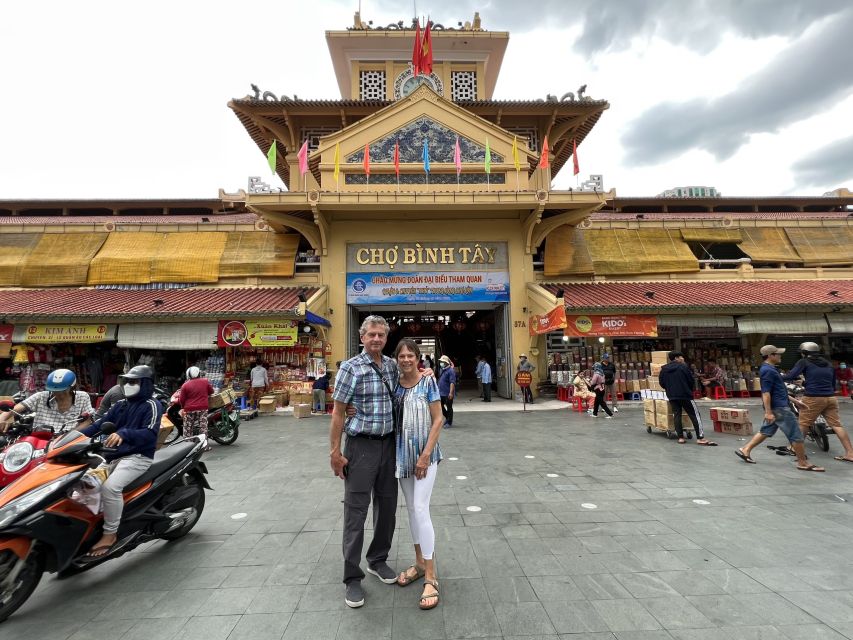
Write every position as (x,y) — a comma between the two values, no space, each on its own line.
(406,83)
(413,83)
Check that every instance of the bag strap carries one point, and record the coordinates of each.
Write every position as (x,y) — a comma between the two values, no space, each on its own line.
(384,381)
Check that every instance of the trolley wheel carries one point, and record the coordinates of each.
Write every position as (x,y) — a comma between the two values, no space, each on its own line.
(689,435)
(648,429)
(670,435)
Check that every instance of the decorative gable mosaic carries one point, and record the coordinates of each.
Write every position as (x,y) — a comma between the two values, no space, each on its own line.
(442,142)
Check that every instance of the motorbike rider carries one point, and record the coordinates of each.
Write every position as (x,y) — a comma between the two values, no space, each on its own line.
(819,398)
(193,397)
(57,407)
(137,418)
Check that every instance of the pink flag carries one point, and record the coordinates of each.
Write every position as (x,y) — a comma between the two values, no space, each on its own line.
(303,158)
(457,157)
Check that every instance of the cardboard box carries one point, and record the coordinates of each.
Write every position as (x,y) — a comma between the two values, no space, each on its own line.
(219,400)
(302,411)
(725,414)
(166,427)
(267,404)
(654,383)
(656,367)
(756,384)
(735,428)
(742,385)
(301,398)
(660,357)
(644,383)
(661,406)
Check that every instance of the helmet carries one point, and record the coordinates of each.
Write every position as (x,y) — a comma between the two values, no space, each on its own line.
(810,347)
(60,380)
(139,372)
(193,372)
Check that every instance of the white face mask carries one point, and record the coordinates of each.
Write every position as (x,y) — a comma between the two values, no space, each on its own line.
(130,390)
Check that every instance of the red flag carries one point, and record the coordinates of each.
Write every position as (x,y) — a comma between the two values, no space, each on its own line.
(416,50)
(543,159)
(366,159)
(397,158)
(575,155)
(426,51)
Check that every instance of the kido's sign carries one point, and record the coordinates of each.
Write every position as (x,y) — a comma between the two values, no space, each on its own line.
(588,326)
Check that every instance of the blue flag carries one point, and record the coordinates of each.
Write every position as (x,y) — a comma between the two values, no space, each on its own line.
(426,155)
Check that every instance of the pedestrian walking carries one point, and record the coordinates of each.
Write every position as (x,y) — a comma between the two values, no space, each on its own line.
(478,371)
(486,375)
(418,456)
(610,380)
(597,386)
(260,383)
(447,389)
(368,464)
(193,398)
(525,365)
(777,411)
(677,380)
(819,398)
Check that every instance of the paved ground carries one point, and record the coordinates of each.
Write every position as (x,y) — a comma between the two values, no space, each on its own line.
(585,529)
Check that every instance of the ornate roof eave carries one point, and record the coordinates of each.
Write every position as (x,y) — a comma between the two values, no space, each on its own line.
(266,120)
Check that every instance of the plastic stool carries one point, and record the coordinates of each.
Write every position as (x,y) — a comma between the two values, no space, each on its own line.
(697,395)
(720,393)
(635,395)
(845,391)
(578,404)
(243,403)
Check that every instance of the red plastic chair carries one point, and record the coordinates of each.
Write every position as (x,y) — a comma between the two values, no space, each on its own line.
(720,393)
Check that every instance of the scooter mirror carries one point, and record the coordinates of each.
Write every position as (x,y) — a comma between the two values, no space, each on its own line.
(107,428)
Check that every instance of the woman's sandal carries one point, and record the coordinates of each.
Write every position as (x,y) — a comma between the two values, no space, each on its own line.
(406,578)
(429,596)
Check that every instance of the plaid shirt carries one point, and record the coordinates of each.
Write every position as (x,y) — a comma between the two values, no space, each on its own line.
(49,416)
(357,383)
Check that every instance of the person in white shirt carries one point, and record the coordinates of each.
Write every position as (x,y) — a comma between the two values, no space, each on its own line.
(260,383)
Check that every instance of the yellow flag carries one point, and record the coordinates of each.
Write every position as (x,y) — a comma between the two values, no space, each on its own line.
(337,161)
(515,153)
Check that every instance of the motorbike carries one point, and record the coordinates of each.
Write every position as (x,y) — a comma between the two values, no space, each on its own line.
(819,431)
(26,444)
(43,530)
(223,424)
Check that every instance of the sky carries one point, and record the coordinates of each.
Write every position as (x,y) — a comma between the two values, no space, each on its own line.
(105,99)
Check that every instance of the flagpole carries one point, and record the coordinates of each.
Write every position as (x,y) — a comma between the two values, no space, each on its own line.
(517,182)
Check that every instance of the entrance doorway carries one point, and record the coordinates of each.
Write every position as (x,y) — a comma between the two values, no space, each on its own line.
(459,332)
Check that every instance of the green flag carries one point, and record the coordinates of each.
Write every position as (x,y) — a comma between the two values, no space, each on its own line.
(271,157)
(488,157)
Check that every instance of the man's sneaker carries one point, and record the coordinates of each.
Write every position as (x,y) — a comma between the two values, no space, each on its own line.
(355,594)
(615,410)
(382,571)
(608,417)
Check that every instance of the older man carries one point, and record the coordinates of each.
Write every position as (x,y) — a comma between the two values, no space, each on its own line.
(367,468)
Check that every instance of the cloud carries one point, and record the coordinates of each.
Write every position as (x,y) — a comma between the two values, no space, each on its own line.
(829,167)
(611,25)
(807,78)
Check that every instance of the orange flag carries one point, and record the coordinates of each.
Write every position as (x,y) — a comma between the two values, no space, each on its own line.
(543,159)
(426,51)
(366,162)
(575,155)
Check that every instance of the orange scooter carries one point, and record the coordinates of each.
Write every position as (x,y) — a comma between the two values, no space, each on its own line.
(43,530)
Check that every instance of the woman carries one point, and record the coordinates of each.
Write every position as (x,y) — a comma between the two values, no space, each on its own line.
(60,406)
(193,398)
(418,455)
(598,387)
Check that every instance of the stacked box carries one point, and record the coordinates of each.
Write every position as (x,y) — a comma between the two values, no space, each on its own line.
(735,421)
(735,428)
(649,413)
(660,357)
(267,404)
(302,411)
(656,367)
(654,383)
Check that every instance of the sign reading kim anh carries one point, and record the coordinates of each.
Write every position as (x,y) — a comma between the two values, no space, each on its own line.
(406,272)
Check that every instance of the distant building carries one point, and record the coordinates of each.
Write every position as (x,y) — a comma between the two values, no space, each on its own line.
(690,192)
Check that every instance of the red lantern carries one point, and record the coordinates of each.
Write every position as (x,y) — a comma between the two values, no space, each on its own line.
(437,327)
(459,325)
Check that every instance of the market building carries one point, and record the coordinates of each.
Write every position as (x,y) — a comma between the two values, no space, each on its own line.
(428,201)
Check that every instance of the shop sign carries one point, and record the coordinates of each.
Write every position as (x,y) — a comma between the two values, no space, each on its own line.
(554,319)
(257,333)
(6,333)
(56,333)
(523,378)
(371,257)
(428,286)
(612,325)
(707,332)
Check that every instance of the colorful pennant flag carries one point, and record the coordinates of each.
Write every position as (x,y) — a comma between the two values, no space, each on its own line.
(416,50)
(366,162)
(337,162)
(457,158)
(543,159)
(271,157)
(303,158)
(488,160)
(426,51)
(575,155)
(426,155)
(397,158)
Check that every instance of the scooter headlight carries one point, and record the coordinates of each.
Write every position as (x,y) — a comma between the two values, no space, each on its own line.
(21,505)
(17,457)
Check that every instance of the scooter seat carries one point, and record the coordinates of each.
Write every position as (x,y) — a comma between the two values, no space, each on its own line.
(164,459)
